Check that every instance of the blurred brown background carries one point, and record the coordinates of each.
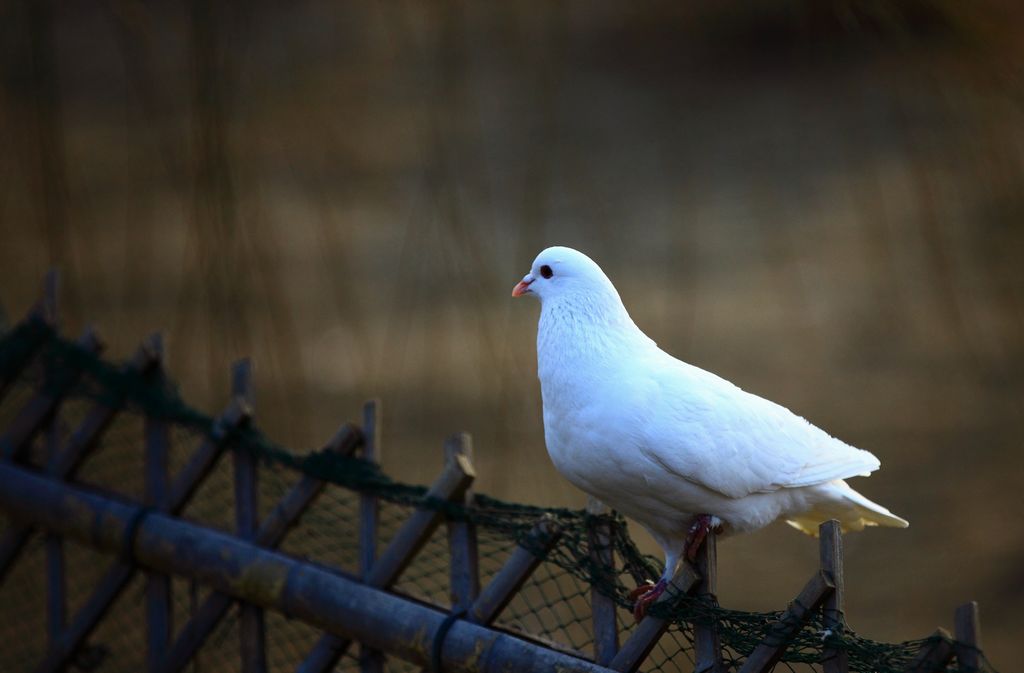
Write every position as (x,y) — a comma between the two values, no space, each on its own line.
(821,200)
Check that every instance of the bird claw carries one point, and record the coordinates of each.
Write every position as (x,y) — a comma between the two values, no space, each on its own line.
(640,590)
(704,524)
(645,595)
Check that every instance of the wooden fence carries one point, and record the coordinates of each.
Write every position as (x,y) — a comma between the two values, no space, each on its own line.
(247,568)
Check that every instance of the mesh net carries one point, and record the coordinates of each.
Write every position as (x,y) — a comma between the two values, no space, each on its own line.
(553,607)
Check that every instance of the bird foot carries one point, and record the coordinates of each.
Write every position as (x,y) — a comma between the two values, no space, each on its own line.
(644,595)
(704,524)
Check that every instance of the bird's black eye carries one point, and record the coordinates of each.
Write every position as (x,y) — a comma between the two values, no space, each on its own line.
(546,271)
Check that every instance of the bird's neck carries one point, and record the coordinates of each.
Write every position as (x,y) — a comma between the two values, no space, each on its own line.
(584,332)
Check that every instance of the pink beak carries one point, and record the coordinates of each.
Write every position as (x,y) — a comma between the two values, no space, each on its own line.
(521,288)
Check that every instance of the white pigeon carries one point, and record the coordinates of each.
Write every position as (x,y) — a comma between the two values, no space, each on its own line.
(678,449)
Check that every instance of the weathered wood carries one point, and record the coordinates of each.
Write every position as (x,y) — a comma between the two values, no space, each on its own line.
(830,553)
(464,570)
(636,648)
(967,627)
(107,591)
(347,609)
(159,626)
(88,433)
(707,648)
(251,629)
(272,531)
(369,508)
(410,538)
(370,660)
(56,586)
(65,462)
(935,655)
(517,569)
(120,572)
(603,610)
(21,362)
(286,513)
(42,314)
(37,410)
(774,645)
(204,458)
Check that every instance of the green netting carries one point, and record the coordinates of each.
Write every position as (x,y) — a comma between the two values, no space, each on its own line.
(553,606)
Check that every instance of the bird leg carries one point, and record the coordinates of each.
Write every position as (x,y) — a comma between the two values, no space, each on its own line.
(644,595)
(703,524)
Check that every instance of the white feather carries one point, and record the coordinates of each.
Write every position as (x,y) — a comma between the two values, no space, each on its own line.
(663,441)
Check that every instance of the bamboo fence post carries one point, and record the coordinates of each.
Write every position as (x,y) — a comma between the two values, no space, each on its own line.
(706,644)
(464,570)
(774,645)
(636,648)
(370,660)
(56,583)
(602,607)
(159,626)
(79,445)
(517,569)
(271,533)
(935,655)
(410,538)
(341,605)
(113,582)
(967,627)
(34,415)
(251,631)
(44,313)
(830,553)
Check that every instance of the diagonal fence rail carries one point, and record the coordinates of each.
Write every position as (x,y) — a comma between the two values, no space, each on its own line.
(137,533)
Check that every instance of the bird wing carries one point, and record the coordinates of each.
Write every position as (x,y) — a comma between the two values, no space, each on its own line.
(705,429)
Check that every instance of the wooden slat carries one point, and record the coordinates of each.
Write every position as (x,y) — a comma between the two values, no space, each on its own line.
(464,570)
(635,650)
(56,586)
(369,507)
(81,442)
(830,552)
(272,531)
(935,655)
(159,626)
(370,660)
(774,645)
(410,538)
(44,312)
(967,625)
(107,590)
(517,569)
(306,591)
(8,378)
(120,572)
(706,644)
(251,628)
(602,608)
(34,414)
(191,475)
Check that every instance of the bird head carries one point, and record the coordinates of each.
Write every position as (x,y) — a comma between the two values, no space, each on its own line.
(560,271)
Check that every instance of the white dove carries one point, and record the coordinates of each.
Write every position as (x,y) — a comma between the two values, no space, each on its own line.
(678,449)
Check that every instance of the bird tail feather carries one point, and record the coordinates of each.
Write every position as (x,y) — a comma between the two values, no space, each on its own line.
(851,509)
